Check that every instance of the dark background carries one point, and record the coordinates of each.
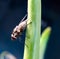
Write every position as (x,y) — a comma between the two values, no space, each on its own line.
(12,11)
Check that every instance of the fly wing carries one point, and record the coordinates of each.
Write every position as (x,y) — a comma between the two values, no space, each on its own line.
(23,18)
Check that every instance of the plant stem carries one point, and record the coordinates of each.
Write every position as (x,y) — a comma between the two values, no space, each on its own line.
(43,41)
(32,41)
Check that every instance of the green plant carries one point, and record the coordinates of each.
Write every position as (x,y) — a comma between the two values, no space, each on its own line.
(43,41)
(32,41)
(34,46)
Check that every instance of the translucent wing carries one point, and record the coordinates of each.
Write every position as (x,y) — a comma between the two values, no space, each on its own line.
(23,18)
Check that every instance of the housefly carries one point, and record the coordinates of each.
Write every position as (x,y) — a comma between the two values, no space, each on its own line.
(19,28)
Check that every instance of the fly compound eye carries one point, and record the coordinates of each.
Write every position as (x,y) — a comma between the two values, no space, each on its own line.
(13,37)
